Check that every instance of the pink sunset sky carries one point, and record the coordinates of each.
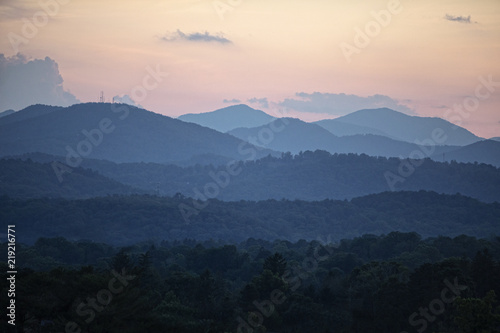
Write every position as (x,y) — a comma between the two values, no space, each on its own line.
(306,59)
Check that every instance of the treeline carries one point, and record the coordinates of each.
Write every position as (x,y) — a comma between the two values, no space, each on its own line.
(393,283)
(306,176)
(123,220)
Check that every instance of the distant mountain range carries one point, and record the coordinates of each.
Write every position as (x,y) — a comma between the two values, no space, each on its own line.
(383,122)
(293,135)
(231,117)
(125,134)
(116,132)
(399,126)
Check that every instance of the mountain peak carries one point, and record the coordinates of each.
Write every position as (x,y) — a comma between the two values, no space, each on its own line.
(229,118)
(407,128)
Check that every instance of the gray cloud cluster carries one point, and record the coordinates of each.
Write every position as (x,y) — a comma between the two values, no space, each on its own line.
(232,101)
(24,82)
(341,104)
(460,19)
(262,102)
(195,37)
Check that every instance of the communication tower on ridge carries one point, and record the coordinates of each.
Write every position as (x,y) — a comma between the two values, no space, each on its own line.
(101,98)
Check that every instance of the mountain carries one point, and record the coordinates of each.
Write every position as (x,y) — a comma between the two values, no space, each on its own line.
(403,127)
(293,135)
(30,112)
(6,113)
(124,220)
(29,179)
(495,138)
(486,151)
(306,176)
(115,132)
(229,118)
(339,128)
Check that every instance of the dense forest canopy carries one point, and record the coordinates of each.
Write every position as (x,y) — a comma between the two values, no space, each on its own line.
(393,283)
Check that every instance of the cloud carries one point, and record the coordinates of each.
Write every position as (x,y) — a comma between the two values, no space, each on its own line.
(232,101)
(24,82)
(341,104)
(195,37)
(460,19)
(125,99)
(15,9)
(262,102)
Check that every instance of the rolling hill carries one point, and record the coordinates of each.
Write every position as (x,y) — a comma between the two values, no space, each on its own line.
(486,151)
(124,220)
(29,179)
(306,176)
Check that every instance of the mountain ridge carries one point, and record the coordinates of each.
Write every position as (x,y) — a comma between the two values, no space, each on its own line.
(116,132)
(312,137)
(408,128)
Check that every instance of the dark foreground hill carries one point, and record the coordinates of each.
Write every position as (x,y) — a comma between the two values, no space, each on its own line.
(115,132)
(131,219)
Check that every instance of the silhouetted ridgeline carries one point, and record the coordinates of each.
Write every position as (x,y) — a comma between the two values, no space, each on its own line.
(130,219)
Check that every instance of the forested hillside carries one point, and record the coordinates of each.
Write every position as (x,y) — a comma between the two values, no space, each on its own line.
(307,176)
(130,219)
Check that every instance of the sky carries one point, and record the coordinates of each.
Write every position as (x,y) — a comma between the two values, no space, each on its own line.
(310,59)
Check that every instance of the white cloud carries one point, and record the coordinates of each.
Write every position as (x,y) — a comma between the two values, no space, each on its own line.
(125,99)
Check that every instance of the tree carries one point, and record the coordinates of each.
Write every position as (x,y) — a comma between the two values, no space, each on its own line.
(276,264)
(474,315)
